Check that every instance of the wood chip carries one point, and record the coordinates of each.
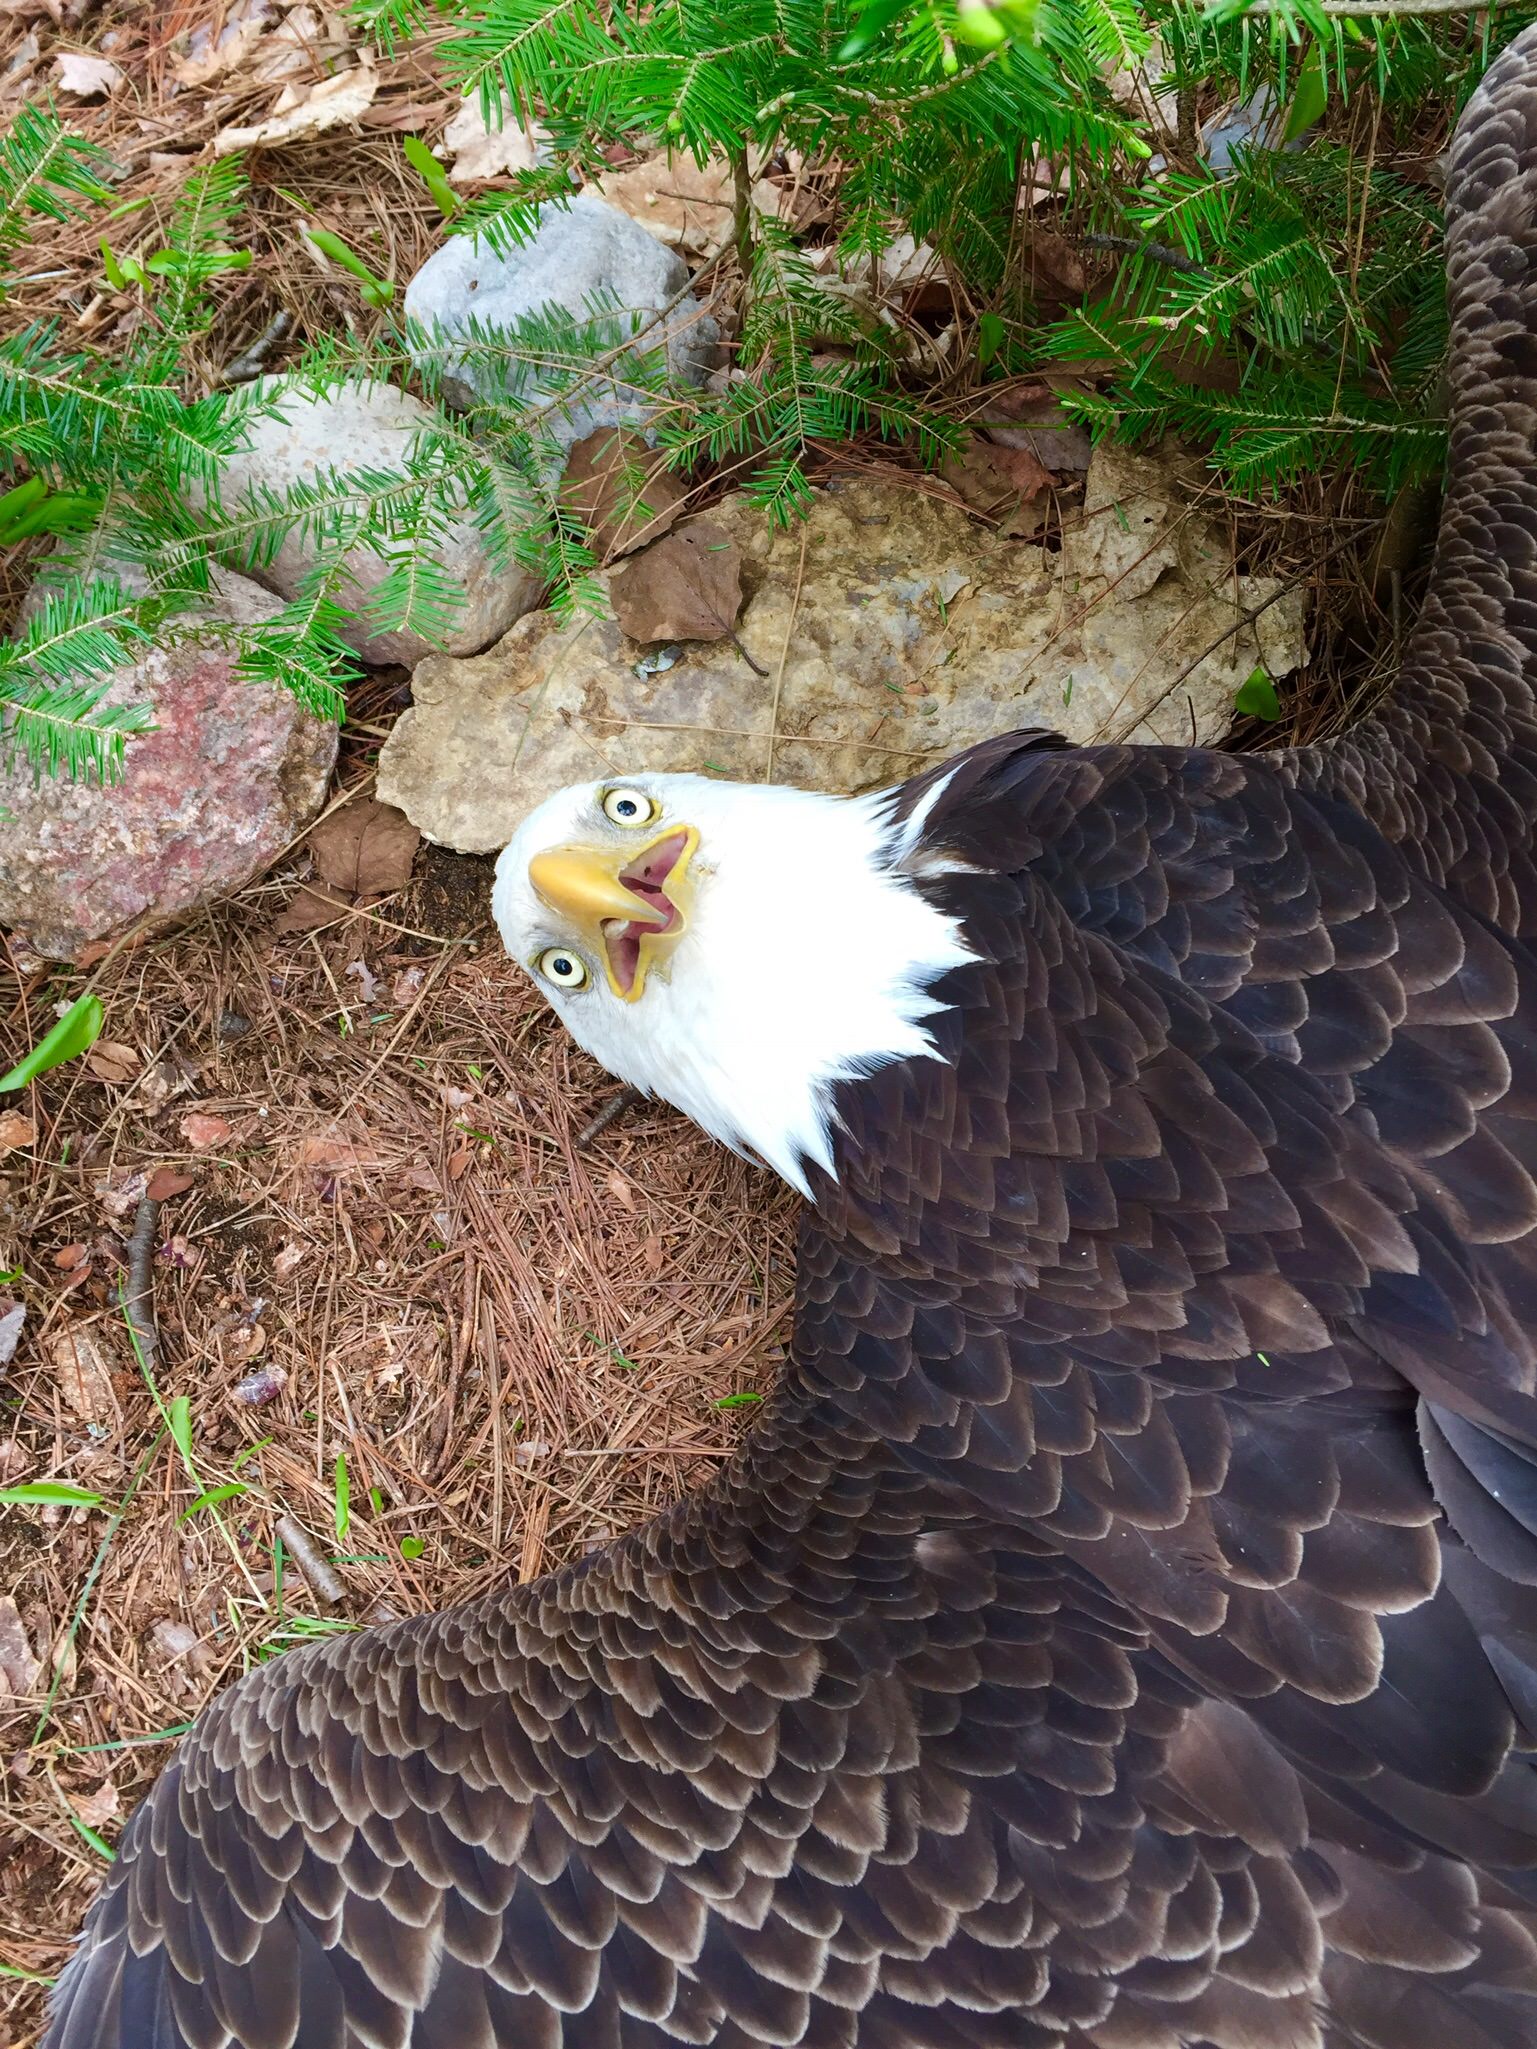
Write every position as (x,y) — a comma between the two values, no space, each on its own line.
(202,1130)
(20,1669)
(16,1131)
(82,1372)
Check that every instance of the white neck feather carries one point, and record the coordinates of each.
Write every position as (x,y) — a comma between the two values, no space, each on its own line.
(808,960)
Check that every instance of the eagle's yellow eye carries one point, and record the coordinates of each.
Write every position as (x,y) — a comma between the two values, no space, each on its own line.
(628,807)
(562,967)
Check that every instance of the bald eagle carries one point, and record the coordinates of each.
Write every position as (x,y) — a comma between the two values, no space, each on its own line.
(1120,1629)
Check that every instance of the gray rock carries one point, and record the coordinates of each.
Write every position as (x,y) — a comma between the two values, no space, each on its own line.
(372,427)
(587,252)
(231,774)
(904,633)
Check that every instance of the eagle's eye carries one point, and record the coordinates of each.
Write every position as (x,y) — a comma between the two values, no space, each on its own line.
(564,969)
(628,807)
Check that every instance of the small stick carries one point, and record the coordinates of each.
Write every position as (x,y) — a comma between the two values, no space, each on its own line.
(746,657)
(611,1111)
(139,1288)
(251,360)
(302,1549)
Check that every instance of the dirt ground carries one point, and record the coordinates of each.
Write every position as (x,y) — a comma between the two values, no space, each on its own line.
(389,1253)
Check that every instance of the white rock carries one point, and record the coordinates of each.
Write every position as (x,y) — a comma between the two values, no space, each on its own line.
(581,254)
(371,427)
(890,632)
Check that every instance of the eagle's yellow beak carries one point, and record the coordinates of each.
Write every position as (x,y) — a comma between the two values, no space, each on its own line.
(631,909)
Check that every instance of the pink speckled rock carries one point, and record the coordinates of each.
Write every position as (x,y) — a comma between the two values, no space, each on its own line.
(232,773)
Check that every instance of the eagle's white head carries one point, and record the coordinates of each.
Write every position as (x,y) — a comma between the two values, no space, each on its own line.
(736,948)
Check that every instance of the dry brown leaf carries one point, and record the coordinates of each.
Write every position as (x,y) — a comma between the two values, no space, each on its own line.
(683,205)
(84,76)
(1000,482)
(1056,268)
(211,52)
(16,1131)
(121,1192)
(290,1257)
(13,1317)
(110,1061)
(299,115)
(366,848)
(20,1669)
(314,904)
(482,152)
(68,1257)
(687,586)
(166,1182)
(201,1129)
(458,1161)
(82,1372)
(99,1807)
(620,1189)
(620,490)
(334,1154)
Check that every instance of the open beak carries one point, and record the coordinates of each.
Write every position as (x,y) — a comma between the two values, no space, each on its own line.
(630,908)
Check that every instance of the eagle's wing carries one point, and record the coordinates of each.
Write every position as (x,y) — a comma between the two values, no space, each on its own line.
(1206,1254)
(806,1763)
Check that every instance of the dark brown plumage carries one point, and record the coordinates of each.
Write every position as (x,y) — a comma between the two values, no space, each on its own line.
(1121,1630)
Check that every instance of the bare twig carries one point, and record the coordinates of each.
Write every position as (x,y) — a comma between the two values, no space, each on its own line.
(302,1548)
(610,1113)
(139,1291)
(253,360)
(1155,252)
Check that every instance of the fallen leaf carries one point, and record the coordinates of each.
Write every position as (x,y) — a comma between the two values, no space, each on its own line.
(211,53)
(620,1190)
(75,72)
(14,1463)
(366,979)
(335,1154)
(1033,418)
(241,1346)
(366,847)
(406,987)
(121,1193)
(300,115)
(68,1257)
(110,1061)
(998,481)
(688,206)
(687,586)
(288,1259)
(95,1809)
(651,1254)
(13,1316)
(166,1182)
(20,1669)
(305,40)
(16,1131)
(63,1661)
(458,1161)
(201,1130)
(83,1374)
(481,151)
(1056,268)
(313,904)
(620,490)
